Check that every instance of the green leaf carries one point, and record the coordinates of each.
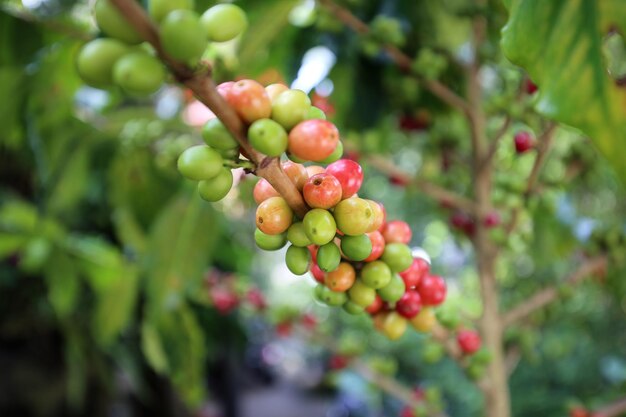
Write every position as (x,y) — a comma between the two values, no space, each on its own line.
(152,347)
(63,283)
(179,250)
(560,44)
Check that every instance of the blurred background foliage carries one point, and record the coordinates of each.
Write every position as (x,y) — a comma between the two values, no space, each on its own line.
(111,267)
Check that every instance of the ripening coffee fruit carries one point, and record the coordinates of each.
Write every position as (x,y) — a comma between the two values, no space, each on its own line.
(298,260)
(398,256)
(268,137)
(297,236)
(353,216)
(356,248)
(313,140)
(111,21)
(361,294)
(376,274)
(158,9)
(96,59)
(216,188)
(179,36)
(290,108)
(342,278)
(274,216)
(138,73)
(328,257)
(269,242)
(393,291)
(330,297)
(224,22)
(319,226)
(249,100)
(217,136)
(263,190)
(200,163)
(322,191)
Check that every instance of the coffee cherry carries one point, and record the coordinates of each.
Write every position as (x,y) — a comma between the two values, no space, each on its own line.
(274,216)
(376,306)
(111,21)
(349,174)
(330,297)
(224,88)
(313,140)
(319,226)
(379,216)
(425,320)
(316,113)
(492,219)
(529,86)
(297,236)
(296,173)
(268,137)
(249,100)
(342,278)
(138,73)
(353,308)
(413,275)
(217,136)
(469,341)
(263,190)
(290,108)
(274,90)
(523,142)
(361,294)
(96,59)
(393,291)
(328,257)
(200,163)
(356,248)
(335,156)
(298,260)
(432,289)
(398,256)
(378,246)
(217,187)
(353,216)
(269,242)
(179,36)
(160,8)
(314,170)
(322,191)
(397,232)
(394,326)
(224,22)
(376,274)
(409,305)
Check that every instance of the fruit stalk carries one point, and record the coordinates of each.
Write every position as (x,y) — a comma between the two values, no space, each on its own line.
(203,87)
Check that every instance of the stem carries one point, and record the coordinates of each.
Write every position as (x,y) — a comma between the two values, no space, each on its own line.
(204,89)
(548,295)
(496,389)
(402,60)
(543,149)
(615,409)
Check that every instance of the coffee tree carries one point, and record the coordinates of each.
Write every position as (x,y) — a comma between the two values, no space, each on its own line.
(99,228)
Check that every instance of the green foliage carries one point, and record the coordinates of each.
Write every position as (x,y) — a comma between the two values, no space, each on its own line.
(570,69)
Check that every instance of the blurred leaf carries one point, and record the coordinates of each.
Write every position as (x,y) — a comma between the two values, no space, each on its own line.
(179,249)
(560,44)
(152,348)
(63,283)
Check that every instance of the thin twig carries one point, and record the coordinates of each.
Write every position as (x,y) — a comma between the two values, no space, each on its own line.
(204,89)
(544,297)
(493,147)
(614,409)
(435,191)
(543,149)
(402,60)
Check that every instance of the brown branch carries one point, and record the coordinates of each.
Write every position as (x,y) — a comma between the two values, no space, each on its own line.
(204,89)
(614,409)
(402,60)
(435,191)
(548,295)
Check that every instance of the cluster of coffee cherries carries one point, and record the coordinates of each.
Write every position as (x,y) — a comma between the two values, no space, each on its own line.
(120,60)
(361,262)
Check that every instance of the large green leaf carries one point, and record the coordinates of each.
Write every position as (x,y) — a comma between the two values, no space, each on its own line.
(560,44)
(179,250)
